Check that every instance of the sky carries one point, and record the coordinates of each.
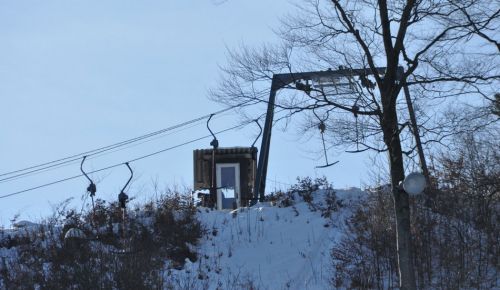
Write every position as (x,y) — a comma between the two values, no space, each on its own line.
(79,75)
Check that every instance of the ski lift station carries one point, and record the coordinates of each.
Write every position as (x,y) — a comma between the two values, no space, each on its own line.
(232,184)
(232,175)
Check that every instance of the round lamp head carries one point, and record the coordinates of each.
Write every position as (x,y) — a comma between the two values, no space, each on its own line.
(414,183)
(74,233)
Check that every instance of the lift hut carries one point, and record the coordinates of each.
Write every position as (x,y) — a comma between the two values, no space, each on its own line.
(228,174)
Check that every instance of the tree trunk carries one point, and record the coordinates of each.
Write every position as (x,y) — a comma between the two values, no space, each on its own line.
(401,202)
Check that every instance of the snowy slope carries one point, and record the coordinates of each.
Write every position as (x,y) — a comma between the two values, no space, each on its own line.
(267,247)
(261,247)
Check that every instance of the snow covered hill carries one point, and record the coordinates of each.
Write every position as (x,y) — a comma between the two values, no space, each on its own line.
(300,239)
(268,247)
(283,244)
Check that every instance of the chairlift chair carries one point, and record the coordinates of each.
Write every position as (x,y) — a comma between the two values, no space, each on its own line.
(322,128)
(91,189)
(355,110)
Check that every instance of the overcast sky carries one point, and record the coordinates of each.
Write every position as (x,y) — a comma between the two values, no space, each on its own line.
(78,75)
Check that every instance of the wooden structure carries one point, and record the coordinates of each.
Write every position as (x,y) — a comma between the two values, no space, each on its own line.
(232,184)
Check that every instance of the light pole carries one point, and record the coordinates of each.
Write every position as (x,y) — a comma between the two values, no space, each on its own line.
(416,134)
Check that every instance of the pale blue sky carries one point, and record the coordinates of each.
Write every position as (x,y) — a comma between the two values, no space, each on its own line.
(77,75)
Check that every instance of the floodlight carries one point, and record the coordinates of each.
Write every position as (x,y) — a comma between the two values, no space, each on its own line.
(334,85)
(326,81)
(414,183)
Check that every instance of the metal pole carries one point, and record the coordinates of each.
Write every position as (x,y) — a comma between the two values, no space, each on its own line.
(414,126)
(213,184)
(260,179)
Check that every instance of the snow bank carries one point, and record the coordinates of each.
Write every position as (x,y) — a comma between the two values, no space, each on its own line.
(268,247)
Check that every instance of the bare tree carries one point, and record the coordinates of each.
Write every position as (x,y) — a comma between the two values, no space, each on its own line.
(444,51)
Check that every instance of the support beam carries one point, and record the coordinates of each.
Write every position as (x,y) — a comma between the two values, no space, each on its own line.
(260,179)
(280,81)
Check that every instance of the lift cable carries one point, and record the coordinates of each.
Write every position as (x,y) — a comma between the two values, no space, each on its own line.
(99,154)
(120,164)
(76,157)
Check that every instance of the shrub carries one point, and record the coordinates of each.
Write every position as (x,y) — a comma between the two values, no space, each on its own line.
(109,258)
(282,199)
(455,236)
(366,257)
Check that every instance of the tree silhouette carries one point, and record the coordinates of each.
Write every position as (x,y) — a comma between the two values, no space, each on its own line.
(444,52)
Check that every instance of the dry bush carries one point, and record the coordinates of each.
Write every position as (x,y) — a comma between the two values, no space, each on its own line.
(456,235)
(109,258)
(281,198)
(366,256)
